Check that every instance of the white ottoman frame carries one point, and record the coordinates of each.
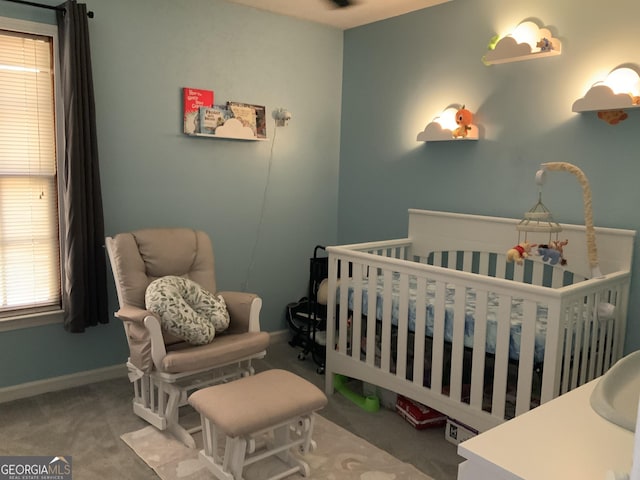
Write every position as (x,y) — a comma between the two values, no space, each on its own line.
(245,450)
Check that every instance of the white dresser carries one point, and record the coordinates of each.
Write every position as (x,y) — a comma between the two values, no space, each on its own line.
(563,439)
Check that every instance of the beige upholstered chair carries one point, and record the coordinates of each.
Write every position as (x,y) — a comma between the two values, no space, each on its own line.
(164,369)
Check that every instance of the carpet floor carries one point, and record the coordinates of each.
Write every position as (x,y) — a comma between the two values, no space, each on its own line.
(339,455)
(87,422)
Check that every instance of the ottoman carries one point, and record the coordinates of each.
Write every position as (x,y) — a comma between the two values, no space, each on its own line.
(262,415)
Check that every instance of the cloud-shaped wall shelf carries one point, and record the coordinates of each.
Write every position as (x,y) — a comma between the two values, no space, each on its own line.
(442,128)
(620,90)
(527,41)
(232,129)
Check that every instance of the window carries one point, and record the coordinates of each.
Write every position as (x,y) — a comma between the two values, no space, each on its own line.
(29,221)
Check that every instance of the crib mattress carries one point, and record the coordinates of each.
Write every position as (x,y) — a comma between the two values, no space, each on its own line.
(470,307)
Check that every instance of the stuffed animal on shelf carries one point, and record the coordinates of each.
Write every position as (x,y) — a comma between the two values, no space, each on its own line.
(553,252)
(612,117)
(463,118)
(544,44)
(519,252)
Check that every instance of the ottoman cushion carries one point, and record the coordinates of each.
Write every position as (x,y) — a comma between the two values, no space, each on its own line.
(257,402)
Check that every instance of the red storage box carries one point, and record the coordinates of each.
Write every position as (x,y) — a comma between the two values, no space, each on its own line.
(419,415)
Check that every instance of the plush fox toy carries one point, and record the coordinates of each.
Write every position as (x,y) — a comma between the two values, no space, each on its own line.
(463,118)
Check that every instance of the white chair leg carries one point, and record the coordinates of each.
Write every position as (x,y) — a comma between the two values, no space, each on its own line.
(281,437)
(172,415)
(234,454)
(181,434)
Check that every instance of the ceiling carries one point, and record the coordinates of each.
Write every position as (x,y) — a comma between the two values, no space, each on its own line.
(323,11)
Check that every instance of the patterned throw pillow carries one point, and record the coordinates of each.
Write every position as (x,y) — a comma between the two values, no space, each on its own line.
(187,310)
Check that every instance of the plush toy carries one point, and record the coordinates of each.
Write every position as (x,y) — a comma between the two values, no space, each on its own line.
(544,45)
(519,252)
(612,117)
(463,118)
(553,252)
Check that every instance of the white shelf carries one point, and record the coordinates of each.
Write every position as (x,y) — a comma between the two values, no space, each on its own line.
(517,58)
(601,97)
(228,137)
(233,129)
(436,132)
(446,135)
(509,49)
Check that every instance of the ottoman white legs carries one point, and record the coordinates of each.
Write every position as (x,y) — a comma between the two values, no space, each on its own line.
(260,416)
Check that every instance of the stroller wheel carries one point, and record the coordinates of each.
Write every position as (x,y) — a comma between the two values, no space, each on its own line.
(301,356)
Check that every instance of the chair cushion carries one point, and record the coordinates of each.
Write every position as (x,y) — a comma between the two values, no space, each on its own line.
(186,310)
(226,349)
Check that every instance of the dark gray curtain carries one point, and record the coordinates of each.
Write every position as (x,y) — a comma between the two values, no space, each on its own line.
(84,285)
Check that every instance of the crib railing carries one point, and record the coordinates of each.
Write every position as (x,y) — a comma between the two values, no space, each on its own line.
(478,387)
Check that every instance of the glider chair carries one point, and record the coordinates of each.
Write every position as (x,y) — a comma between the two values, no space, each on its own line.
(163,368)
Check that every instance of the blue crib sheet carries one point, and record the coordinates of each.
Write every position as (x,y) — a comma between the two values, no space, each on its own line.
(470,304)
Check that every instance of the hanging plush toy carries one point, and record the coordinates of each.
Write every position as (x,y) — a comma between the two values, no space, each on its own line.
(463,118)
(553,252)
(519,252)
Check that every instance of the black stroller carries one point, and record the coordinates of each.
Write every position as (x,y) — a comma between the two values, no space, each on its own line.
(307,318)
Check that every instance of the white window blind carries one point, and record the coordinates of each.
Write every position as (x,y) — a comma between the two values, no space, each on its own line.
(29,247)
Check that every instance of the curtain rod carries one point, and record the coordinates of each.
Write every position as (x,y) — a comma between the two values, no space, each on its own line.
(40,5)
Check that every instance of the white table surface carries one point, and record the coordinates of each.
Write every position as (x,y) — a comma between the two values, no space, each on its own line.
(562,439)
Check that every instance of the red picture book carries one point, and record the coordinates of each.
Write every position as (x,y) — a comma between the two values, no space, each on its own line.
(194,98)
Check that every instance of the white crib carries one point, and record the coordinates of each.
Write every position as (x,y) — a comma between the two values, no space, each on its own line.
(498,338)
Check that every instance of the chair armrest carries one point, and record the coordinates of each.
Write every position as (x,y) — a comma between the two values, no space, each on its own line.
(129,313)
(144,336)
(244,311)
(158,348)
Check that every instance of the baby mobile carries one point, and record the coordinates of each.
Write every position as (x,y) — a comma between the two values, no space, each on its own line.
(539,220)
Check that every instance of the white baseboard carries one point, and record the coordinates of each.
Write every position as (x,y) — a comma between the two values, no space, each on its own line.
(30,389)
(280,336)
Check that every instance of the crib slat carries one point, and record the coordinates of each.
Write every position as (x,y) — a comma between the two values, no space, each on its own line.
(371,317)
(527,351)
(607,350)
(457,346)
(593,338)
(403,327)
(343,331)
(467,262)
(356,322)
(552,353)
(479,349)
(451,260)
(589,324)
(616,298)
(420,332)
(580,313)
(557,278)
(568,347)
(501,267)
(437,350)
(613,351)
(385,354)
(483,266)
(604,329)
(538,273)
(502,356)
(518,273)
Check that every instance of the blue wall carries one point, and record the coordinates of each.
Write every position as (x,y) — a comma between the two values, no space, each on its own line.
(401,73)
(143,53)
